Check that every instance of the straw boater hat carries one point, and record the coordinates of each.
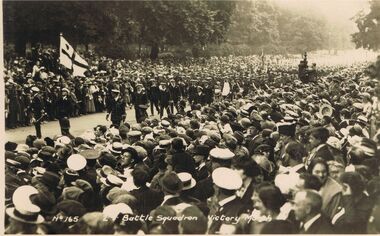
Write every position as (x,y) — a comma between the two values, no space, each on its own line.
(187,180)
(24,210)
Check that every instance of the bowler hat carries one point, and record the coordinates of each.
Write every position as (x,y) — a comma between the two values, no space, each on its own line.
(50,179)
(171,183)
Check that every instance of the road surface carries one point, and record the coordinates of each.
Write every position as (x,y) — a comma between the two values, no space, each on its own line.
(78,126)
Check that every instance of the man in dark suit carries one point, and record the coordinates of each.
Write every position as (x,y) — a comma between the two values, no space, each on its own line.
(116,108)
(140,102)
(37,108)
(171,186)
(175,95)
(307,209)
(64,109)
(153,94)
(192,93)
(229,206)
(200,155)
(164,99)
(147,199)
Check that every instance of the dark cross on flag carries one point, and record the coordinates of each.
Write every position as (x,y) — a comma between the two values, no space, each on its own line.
(72,58)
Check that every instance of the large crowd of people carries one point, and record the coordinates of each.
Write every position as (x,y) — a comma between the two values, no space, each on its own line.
(242,146)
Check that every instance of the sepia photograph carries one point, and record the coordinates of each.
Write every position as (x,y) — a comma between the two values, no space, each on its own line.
(190,117)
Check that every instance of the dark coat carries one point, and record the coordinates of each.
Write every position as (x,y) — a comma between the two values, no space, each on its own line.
(233,208)
(173,201)
(147,199)
(183,162)
(140,99)
(164,97)
(356,215)
(175,93)
(209,94)
(205,189)
(247,196)
(116,109)
(154,93)
(192,92)
(202,173)
(64,107)
(321,226)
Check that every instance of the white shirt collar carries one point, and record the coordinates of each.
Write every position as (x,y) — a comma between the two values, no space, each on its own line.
(201,165)
(227,200)
(307,225)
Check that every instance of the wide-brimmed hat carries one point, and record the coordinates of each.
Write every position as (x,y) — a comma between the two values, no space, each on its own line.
(116,148)
(188,181)
(105,171)
(112,180)
(29,216)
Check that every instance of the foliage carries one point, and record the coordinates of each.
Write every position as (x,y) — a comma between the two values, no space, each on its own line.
(262,25)
(205,28)
(368,36)
(118,23)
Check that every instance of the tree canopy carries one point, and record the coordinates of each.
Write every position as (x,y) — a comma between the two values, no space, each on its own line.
(152,23)
(113,26)
(368,25)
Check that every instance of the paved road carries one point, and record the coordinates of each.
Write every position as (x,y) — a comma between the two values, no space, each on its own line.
(78,126)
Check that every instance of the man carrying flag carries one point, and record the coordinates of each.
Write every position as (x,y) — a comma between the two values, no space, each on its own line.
(71,59)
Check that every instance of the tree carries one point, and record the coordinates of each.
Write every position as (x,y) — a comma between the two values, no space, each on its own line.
(193,23)
(368,25)
(300,33)
(254,23)
(81,22)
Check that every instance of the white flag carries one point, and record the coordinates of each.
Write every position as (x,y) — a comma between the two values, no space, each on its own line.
(71,59)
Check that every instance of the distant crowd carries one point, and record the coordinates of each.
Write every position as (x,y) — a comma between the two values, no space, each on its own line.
(242,146)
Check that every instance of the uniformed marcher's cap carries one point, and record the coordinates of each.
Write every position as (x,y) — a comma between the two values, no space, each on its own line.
(76,162)
(226,178)
(90,154)
(165,123)
(147,130)
(116,148)
(221,153)
(164,143)
(134,133)
(64,140)
(112,180)
(35,89)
